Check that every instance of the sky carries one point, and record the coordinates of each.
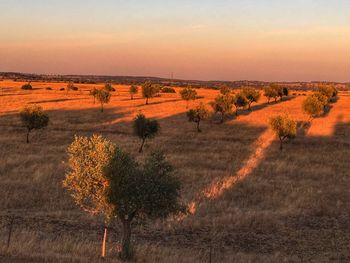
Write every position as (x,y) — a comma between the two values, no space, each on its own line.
(270,40)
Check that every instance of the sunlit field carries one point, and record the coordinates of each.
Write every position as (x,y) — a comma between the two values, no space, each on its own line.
(249,201)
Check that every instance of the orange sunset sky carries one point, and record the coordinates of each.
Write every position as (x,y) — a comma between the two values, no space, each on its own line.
(209,40)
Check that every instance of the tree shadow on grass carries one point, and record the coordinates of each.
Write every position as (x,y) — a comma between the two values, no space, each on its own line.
(56,100)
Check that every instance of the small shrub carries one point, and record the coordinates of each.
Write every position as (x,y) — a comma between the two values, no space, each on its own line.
(62,89)
(33,118)
(284,127)
(168,90)
(27,86)
(48,88)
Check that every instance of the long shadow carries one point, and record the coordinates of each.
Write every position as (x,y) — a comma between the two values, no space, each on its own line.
(159,102)
(264,105)
(57,100)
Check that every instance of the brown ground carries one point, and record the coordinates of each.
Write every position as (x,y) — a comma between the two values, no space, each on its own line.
(250,202)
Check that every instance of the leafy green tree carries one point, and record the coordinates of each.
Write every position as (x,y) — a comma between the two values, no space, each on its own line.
(199,113)
(225,90)
(240,101)
(104,180)
(93,93)
(86,179)
(145,128)
(223,105)
(149,91)
(313,105)
(133,90)
(252,95)
(103,96)
(33,118)
(284,127)
(148,191)
(271,92)
(188,94)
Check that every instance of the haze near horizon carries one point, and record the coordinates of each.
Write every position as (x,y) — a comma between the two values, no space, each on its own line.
(208,40)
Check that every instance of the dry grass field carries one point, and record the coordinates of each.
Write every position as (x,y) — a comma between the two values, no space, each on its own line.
(250,202)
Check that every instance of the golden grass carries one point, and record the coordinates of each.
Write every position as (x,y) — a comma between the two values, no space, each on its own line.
(250,202)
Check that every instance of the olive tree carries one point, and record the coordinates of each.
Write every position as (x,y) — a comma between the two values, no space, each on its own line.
(284,127)
(108,87)
(33,118)
(93,93)
(104,180)
(149,91)
(103,96)
(314,105)
(198,114)
(133,90)
(188,94)
(145,128)
(86,179)
(223,105)
(240,101)
(147,191)
(252,95)
(70,86)
(272,92)
(224,90)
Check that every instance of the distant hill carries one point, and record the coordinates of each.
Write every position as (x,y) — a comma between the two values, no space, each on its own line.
(128,80)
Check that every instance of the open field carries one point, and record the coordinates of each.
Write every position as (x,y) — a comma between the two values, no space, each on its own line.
(250,202)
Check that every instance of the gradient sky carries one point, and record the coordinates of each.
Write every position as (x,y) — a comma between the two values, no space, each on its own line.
(273,40)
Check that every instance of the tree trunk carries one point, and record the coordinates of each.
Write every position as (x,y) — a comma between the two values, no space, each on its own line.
(132,97)
(28,131)
(126,253)
(222,117)
(141,147)
(281,144)
(101,107)
(104,242)
(146,101)
(249,107)
(198,128)
(236,111)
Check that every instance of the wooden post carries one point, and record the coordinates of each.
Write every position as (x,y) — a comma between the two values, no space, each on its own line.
(10,233)
(104,242)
